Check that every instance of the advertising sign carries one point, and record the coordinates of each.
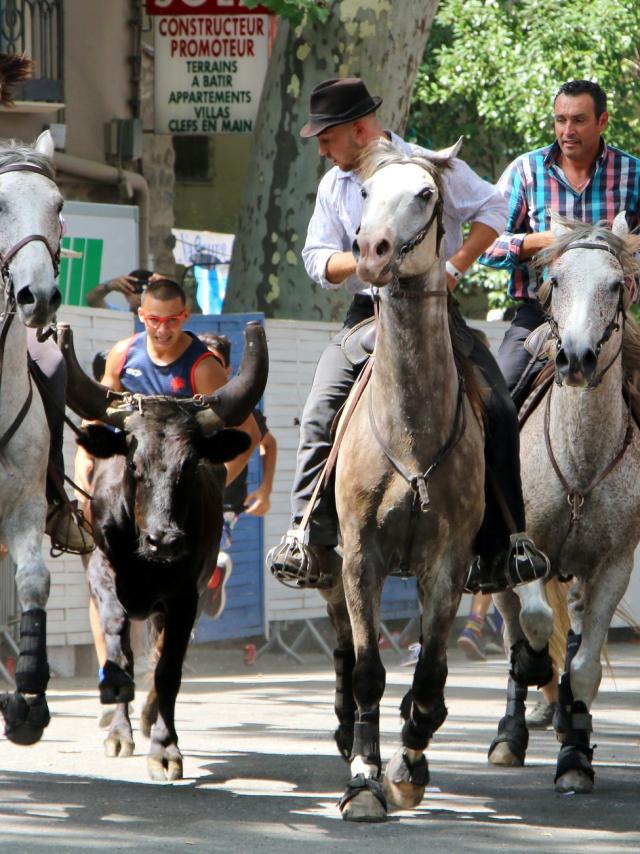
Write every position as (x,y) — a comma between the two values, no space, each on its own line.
(210,63)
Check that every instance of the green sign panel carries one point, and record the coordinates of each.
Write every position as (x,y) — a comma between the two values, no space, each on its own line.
(79,275)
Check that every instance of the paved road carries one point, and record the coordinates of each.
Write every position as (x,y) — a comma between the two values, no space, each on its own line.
(262,774)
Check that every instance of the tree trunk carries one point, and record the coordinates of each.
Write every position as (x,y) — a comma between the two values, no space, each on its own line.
(381,41)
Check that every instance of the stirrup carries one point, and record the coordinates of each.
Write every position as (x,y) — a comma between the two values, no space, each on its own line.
(524,562)
(294,564)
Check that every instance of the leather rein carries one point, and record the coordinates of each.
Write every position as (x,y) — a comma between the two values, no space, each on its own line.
(575,497)
(8,314)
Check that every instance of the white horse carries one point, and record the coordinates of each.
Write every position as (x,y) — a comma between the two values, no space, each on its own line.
(580,456)
(30,231)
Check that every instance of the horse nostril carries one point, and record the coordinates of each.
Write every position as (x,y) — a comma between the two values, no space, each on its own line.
(382,248)
(589,362)
(562,363)
(25,296)
(355,248)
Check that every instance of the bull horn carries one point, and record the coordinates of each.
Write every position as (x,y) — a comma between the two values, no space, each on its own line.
(235,401)
(85,396)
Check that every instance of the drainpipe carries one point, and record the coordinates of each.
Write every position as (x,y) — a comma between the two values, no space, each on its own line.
(134,185)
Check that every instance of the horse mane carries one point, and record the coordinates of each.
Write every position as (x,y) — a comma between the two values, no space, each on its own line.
(14,68)
(13,151)
(382,152)
(624,248)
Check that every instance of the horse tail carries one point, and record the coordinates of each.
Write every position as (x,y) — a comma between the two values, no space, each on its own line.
(556,593)
(14,68)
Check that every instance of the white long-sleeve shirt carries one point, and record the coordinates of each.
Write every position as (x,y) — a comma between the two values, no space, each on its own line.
(338,211)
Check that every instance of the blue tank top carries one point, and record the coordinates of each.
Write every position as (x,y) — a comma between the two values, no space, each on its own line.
(139,375)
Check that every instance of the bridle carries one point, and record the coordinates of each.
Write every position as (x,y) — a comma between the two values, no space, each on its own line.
(7,315)
(576,497)
(616,323)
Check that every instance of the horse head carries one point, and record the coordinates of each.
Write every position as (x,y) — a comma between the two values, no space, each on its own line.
(401,227)
(586,296)
(30,230)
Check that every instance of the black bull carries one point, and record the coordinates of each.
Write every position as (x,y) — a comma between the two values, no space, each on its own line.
(157,516)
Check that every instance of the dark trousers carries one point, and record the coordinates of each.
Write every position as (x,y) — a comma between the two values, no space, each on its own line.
(516,364)
(332,383)
(50,373)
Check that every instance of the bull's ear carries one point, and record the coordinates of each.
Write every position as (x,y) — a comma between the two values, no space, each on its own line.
(102,442)
(224,445)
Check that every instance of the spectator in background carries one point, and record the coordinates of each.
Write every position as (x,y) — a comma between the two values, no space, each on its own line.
(237,499)
(130,287)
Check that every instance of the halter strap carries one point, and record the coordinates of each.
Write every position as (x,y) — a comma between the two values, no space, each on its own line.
(583,244)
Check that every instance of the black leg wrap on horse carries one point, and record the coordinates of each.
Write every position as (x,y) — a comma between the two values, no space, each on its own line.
(529,667)
(344,661)
(405,705)
(576,753)
(562,717)
(366,739)
(420,726)
(32,672)
(115,685)
(24,717)
(512,728)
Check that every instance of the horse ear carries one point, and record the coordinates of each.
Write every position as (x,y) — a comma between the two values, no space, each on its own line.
(620,227)
(447,153)
(558,228)
(44,144)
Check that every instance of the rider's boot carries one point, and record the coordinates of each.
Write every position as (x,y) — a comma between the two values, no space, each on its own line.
(300,564)
(521,563)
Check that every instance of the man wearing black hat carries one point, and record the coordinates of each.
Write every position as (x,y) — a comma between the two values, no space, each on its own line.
(343,120)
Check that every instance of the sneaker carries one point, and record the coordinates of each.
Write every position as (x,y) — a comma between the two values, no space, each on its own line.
(470,643)
(541,716)
(68,529)
(412,656)
(215,596)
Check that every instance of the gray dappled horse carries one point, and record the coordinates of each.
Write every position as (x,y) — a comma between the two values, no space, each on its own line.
(30,205)
(580,458)
(413,415)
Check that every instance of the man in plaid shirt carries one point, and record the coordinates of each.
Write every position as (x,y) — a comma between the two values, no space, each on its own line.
(580,177)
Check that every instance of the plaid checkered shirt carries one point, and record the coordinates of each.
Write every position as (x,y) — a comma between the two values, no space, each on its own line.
(534,185)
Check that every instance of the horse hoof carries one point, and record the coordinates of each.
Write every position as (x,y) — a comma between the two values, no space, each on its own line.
(164,769)
(504,756)
(364,807)
(363,800)
(576,782)
(116,745)
(404,783)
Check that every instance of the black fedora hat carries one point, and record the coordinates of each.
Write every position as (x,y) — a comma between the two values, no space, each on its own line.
(337,101)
